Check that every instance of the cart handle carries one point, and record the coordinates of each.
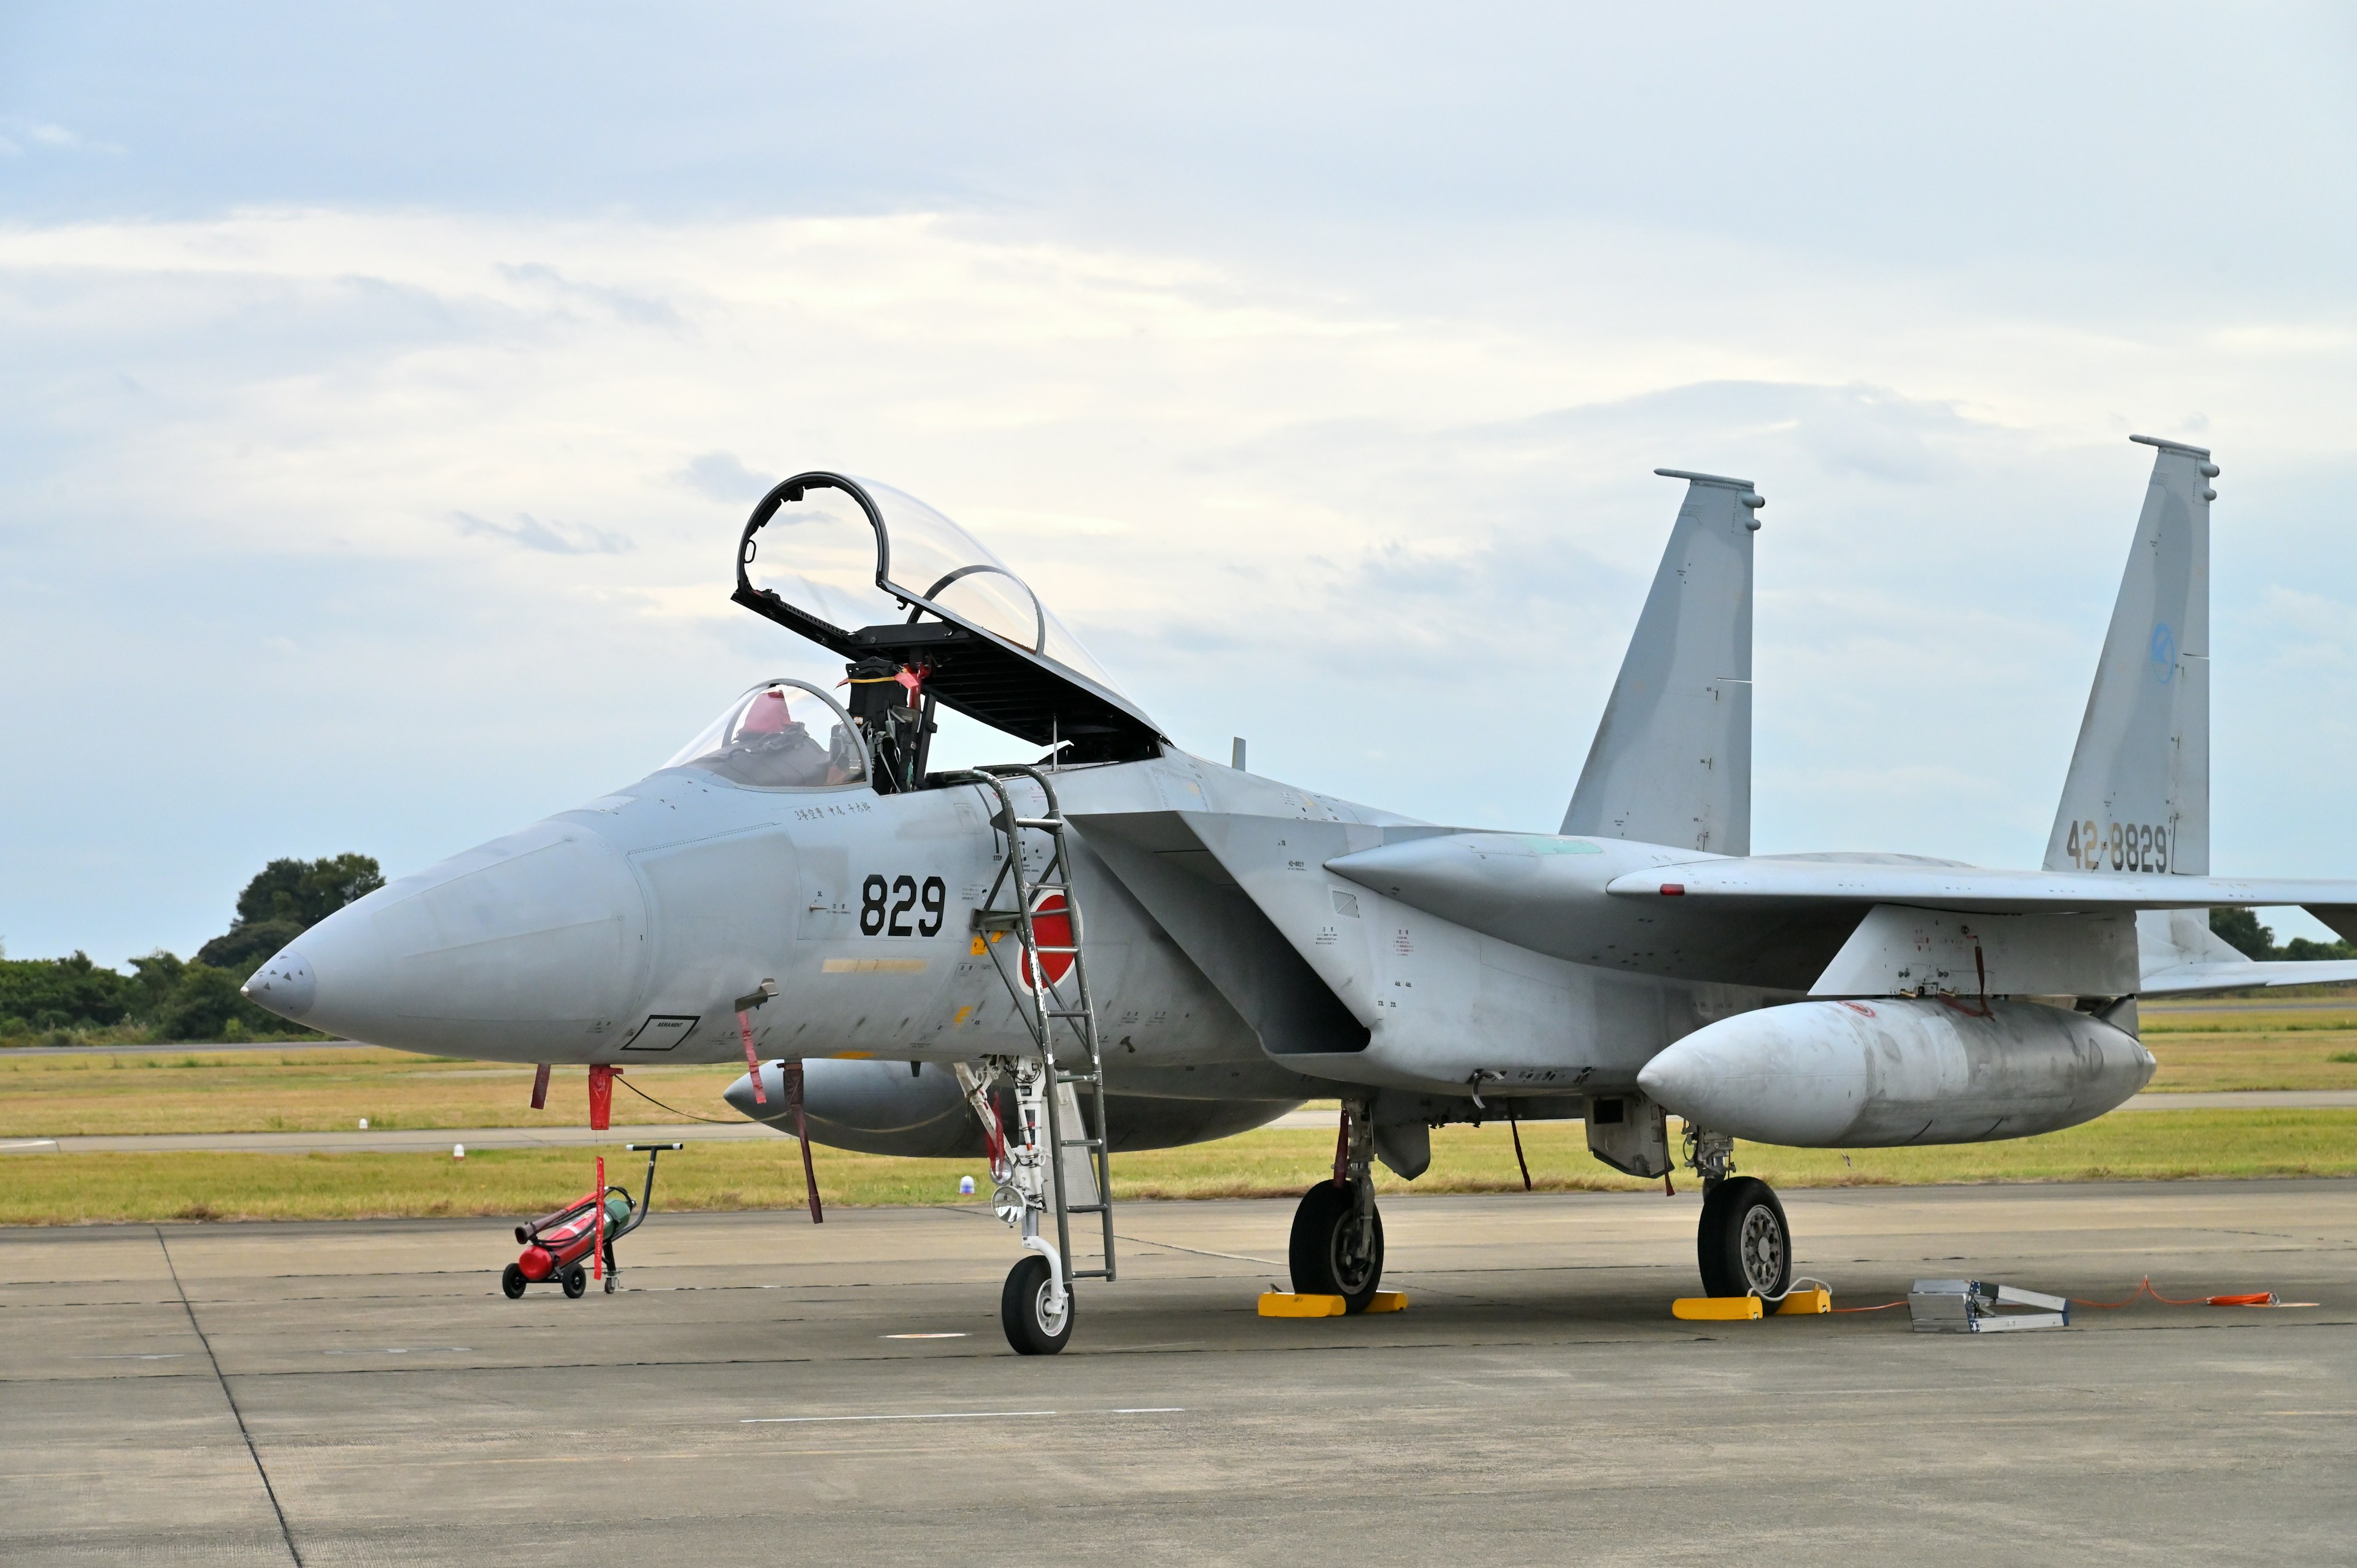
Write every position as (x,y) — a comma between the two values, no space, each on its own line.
(646,1201)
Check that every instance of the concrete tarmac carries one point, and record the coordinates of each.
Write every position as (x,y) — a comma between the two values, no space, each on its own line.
(765,1391)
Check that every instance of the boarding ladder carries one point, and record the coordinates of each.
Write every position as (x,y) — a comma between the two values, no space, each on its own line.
(1013,901)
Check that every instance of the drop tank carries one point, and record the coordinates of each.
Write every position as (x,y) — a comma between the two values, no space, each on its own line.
(1900,1070)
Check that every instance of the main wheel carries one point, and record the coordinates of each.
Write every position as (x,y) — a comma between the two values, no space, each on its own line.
(1328,1256)
(1024,1310)
(576,1283)
(1744,1245)
(512,1282)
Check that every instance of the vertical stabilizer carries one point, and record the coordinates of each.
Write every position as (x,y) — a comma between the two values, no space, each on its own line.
(2137,798)
(1671,759)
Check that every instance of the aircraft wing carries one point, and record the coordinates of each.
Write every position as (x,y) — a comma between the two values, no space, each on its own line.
(1767,883)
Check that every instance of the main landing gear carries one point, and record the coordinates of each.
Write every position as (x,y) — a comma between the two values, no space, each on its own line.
(1744,1243)
(1337,1234)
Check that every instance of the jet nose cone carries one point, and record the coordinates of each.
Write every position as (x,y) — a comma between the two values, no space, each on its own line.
(740,1094)
(526,949)
(286,985)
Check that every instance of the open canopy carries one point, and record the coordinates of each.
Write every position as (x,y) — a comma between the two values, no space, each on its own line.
(871,572)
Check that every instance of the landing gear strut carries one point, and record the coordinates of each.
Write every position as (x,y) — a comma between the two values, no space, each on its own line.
(1337,1234)
(1744,1243)
(1036,1305)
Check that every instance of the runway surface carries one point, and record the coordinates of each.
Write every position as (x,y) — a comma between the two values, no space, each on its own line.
(363,1393)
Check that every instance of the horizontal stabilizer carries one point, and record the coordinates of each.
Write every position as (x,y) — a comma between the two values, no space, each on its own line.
(2196,979)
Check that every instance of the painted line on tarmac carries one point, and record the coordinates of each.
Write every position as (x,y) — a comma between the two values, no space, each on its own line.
(955,1415)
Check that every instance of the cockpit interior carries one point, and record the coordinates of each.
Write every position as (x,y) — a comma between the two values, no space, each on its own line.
(843,561)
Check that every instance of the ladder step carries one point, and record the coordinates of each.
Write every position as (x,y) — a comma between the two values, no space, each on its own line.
(1045,824)
(1092,1273)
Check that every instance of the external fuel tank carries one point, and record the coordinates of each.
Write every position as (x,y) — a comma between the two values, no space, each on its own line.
(1869,1074)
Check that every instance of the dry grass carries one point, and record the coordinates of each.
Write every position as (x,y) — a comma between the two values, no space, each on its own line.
(51,1189)
(316,1090)
(2216,1046)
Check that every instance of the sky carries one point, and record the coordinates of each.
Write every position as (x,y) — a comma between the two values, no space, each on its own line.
(382,388)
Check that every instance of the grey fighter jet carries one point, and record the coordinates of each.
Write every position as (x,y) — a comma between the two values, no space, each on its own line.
(1117,945)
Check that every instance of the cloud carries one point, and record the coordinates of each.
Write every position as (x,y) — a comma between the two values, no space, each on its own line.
(554,538)
(720,475)
(1397,536)
(641,309)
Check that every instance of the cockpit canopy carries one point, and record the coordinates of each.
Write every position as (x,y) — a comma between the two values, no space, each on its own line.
(769,739)
(872,573)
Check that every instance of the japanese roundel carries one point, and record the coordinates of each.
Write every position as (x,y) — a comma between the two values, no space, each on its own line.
(1051,928)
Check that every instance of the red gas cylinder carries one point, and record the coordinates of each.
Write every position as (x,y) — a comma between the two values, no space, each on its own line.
(536,1263)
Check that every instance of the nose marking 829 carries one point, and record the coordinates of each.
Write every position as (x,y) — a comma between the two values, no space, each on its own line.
(884,906)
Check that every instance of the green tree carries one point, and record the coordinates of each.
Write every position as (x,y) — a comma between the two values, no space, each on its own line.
(203,1004)
(2301,950)
(2242,932)
(158,973)
(64,994)
(285,899)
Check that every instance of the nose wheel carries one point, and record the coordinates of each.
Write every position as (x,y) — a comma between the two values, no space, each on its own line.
(1037,1323)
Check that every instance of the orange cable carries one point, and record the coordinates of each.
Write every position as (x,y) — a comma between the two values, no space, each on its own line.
(2143,1288)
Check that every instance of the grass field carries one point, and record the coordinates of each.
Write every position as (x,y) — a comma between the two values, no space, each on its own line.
(302,1090)
(51,1189)
(316,1090)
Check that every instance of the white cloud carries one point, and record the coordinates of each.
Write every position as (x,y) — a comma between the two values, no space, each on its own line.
(1393,534)
(550,537)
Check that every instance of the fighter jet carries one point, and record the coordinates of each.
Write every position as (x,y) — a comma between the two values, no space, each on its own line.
(1111,944)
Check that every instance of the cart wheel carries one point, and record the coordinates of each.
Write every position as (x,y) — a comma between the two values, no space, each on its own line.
(576,1283)
(512,1282)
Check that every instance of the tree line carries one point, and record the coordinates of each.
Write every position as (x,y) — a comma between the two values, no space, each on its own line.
(167,997)
(2246,935)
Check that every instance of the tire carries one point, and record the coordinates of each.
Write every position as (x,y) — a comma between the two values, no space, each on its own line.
(576,1283)
(1319,1259)
(1023,1310)
(511,1282)
(1745,1243)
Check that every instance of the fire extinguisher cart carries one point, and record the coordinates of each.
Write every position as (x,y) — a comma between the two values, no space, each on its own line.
(558,1247)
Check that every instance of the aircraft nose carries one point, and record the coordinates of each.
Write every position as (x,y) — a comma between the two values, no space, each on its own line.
(740,1094)
(528,948)
(286,985)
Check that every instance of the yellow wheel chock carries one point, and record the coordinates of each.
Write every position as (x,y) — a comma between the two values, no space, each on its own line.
(1743,1308)
(1285,1303)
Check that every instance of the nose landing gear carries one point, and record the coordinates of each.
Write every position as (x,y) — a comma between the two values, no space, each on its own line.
(1036,1314)
(1337,1234)
(1744,1243)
